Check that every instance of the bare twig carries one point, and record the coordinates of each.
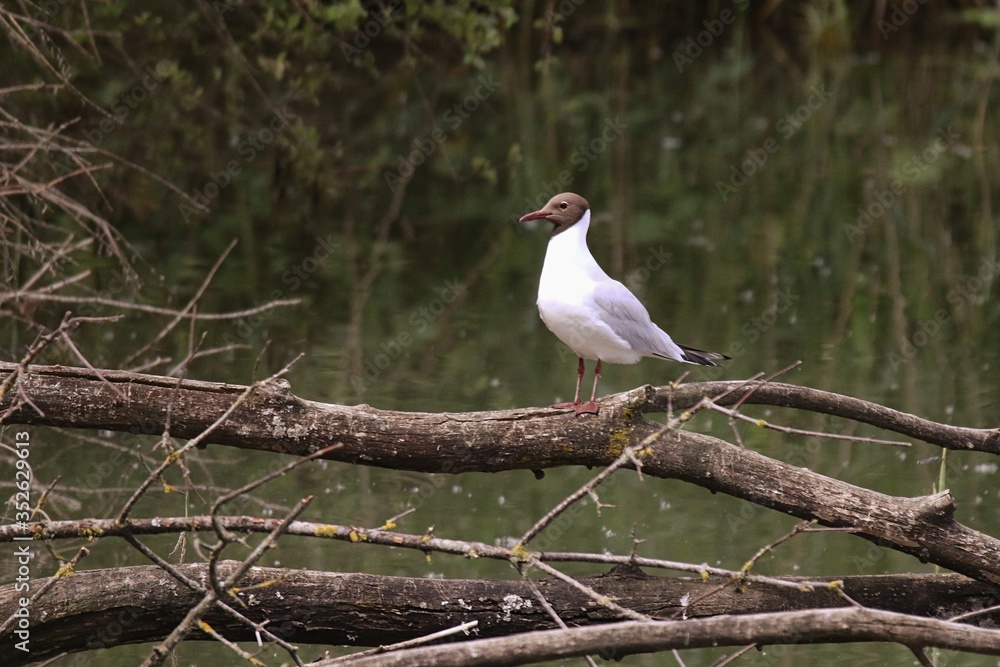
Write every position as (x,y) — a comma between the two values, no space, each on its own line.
(196,586)
(629,455)
(357,534)
(189,307)
(212,596)
(734,414)
(602,600)
(219,588)
(549,609)
(584,490)
(829,403)
(800,527)
(143,308)
(765,379)
(733,657)
(409,643)
(65,570)
(68,322)
(921,656)
(197,440)
(257,483)
(977,612)
(68,341)
(59,253)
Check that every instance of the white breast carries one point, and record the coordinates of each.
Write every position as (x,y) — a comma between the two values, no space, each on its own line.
(565,298)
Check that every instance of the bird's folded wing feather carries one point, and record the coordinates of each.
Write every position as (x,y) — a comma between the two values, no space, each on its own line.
(629,319)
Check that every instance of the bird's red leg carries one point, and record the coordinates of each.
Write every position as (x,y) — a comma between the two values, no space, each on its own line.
(591,407)
(579,379)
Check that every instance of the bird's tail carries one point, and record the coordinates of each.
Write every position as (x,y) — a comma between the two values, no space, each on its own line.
(695,356)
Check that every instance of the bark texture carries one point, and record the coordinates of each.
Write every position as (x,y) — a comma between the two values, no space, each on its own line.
(273,419)
(100,608)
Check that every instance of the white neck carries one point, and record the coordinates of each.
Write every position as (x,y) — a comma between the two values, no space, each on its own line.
(568,259)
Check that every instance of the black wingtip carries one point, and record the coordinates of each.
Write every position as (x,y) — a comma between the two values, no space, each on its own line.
(696,356)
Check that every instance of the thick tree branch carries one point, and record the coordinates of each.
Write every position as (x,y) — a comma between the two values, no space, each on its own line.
(502,440)
(620,639)
(92,609)
(161,525)
(815,400)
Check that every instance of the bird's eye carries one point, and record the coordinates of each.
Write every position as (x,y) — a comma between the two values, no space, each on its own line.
(564,205)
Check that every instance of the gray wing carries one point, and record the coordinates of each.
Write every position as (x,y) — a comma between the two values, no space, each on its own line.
(629,319)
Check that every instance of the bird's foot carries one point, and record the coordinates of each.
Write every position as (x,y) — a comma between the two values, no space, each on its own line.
(589,408)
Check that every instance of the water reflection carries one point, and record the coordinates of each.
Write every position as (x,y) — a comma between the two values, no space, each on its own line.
(842,218)
(837,211)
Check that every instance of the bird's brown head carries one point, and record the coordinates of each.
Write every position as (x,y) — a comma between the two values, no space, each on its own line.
(563,211)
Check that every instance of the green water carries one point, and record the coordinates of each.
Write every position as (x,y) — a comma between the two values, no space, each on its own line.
(829,205)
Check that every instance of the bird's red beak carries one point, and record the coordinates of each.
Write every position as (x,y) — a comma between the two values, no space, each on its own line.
(537,215)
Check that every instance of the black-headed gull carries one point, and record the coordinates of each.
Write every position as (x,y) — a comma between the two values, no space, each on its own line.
(596,316)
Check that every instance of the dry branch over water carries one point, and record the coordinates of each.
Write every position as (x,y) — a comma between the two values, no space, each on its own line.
(268,416)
